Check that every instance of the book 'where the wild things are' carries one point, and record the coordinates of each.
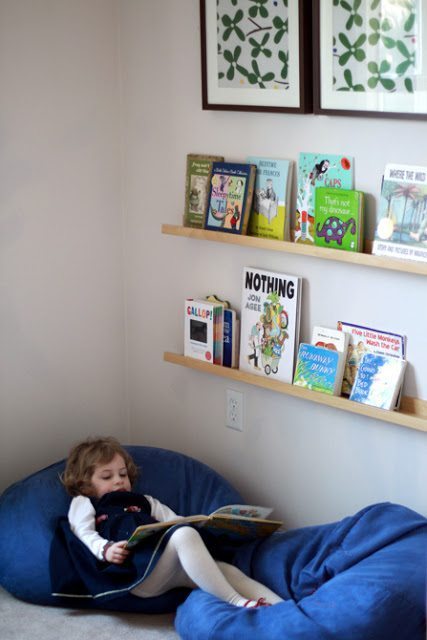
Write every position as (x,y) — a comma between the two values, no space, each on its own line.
(197,186)
(401,230)
(378,381)
(318,170)
(338,218)
(230,197)
(270,215)
(239,521)
(269,324)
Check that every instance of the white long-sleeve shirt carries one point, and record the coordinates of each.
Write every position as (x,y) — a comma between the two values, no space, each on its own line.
(81,516)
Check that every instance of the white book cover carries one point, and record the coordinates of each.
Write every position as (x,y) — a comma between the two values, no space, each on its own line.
(199,330)
(269,325)
(330,338)
(401,229)
(336,341)
(378,381)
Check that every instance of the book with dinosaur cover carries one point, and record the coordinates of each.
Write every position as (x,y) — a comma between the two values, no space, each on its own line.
(338,218)
(318,170)
(319,369)
(197,185)
(236,520)
(368,340)
(270,213)
(269,324)
(378,381)
(230,197)
(401,230)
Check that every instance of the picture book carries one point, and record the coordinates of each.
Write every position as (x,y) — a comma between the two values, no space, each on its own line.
(197,185)
(231,339)
(269,323)
(366,339)
(271,206)
(319,369)
(401,230)
(236,520)
(378,381)
(230,197)
(318,170)
(338,218)
(330,339)
(203,330)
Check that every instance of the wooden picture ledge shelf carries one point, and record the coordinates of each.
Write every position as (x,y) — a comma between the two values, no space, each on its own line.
(412,413)
(360,259)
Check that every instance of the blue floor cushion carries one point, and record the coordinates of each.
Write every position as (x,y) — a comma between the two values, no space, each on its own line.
(363,578)
(29,512)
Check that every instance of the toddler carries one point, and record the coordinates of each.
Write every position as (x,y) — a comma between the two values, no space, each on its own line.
(104,511)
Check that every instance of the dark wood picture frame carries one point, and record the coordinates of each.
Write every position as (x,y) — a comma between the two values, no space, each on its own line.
(301,101)
(347,102)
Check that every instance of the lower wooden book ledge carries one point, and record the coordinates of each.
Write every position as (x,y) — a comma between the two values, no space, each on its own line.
(412,412)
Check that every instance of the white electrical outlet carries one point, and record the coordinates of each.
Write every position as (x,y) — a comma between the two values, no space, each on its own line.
(234,409)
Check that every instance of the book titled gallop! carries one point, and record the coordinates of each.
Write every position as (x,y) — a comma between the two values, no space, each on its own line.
(269,323)
(235,520)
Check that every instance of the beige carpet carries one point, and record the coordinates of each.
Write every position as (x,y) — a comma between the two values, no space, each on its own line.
(23,621)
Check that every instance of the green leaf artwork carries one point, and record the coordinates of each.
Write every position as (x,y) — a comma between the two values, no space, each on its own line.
(253,44)
(375,45)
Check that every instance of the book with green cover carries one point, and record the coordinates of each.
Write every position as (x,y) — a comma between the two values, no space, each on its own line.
(318,170)
(197,185)
(338,218)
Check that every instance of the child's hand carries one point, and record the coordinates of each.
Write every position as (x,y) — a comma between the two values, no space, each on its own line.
(117,552)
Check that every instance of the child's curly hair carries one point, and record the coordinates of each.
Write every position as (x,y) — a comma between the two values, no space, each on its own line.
(86,456)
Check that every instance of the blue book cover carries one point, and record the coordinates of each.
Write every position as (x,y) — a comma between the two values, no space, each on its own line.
(318,170)
(229,338)
(230,197)
(318,369)
(378,381)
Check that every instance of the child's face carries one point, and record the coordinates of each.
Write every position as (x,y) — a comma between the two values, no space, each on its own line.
(112,476)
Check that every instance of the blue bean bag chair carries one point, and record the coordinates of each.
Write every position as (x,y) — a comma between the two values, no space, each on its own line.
(363,578)
(29,511)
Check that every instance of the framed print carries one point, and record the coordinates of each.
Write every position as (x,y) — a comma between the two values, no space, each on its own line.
(256,55)
(370,58)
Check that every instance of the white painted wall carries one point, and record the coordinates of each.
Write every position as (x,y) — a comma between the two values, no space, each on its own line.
(61,275)
(63,184)
(312,463)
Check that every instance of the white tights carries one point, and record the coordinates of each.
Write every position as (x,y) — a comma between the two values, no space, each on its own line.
(186,562)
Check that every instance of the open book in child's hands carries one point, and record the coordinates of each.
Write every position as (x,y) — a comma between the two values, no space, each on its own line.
(237,520)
